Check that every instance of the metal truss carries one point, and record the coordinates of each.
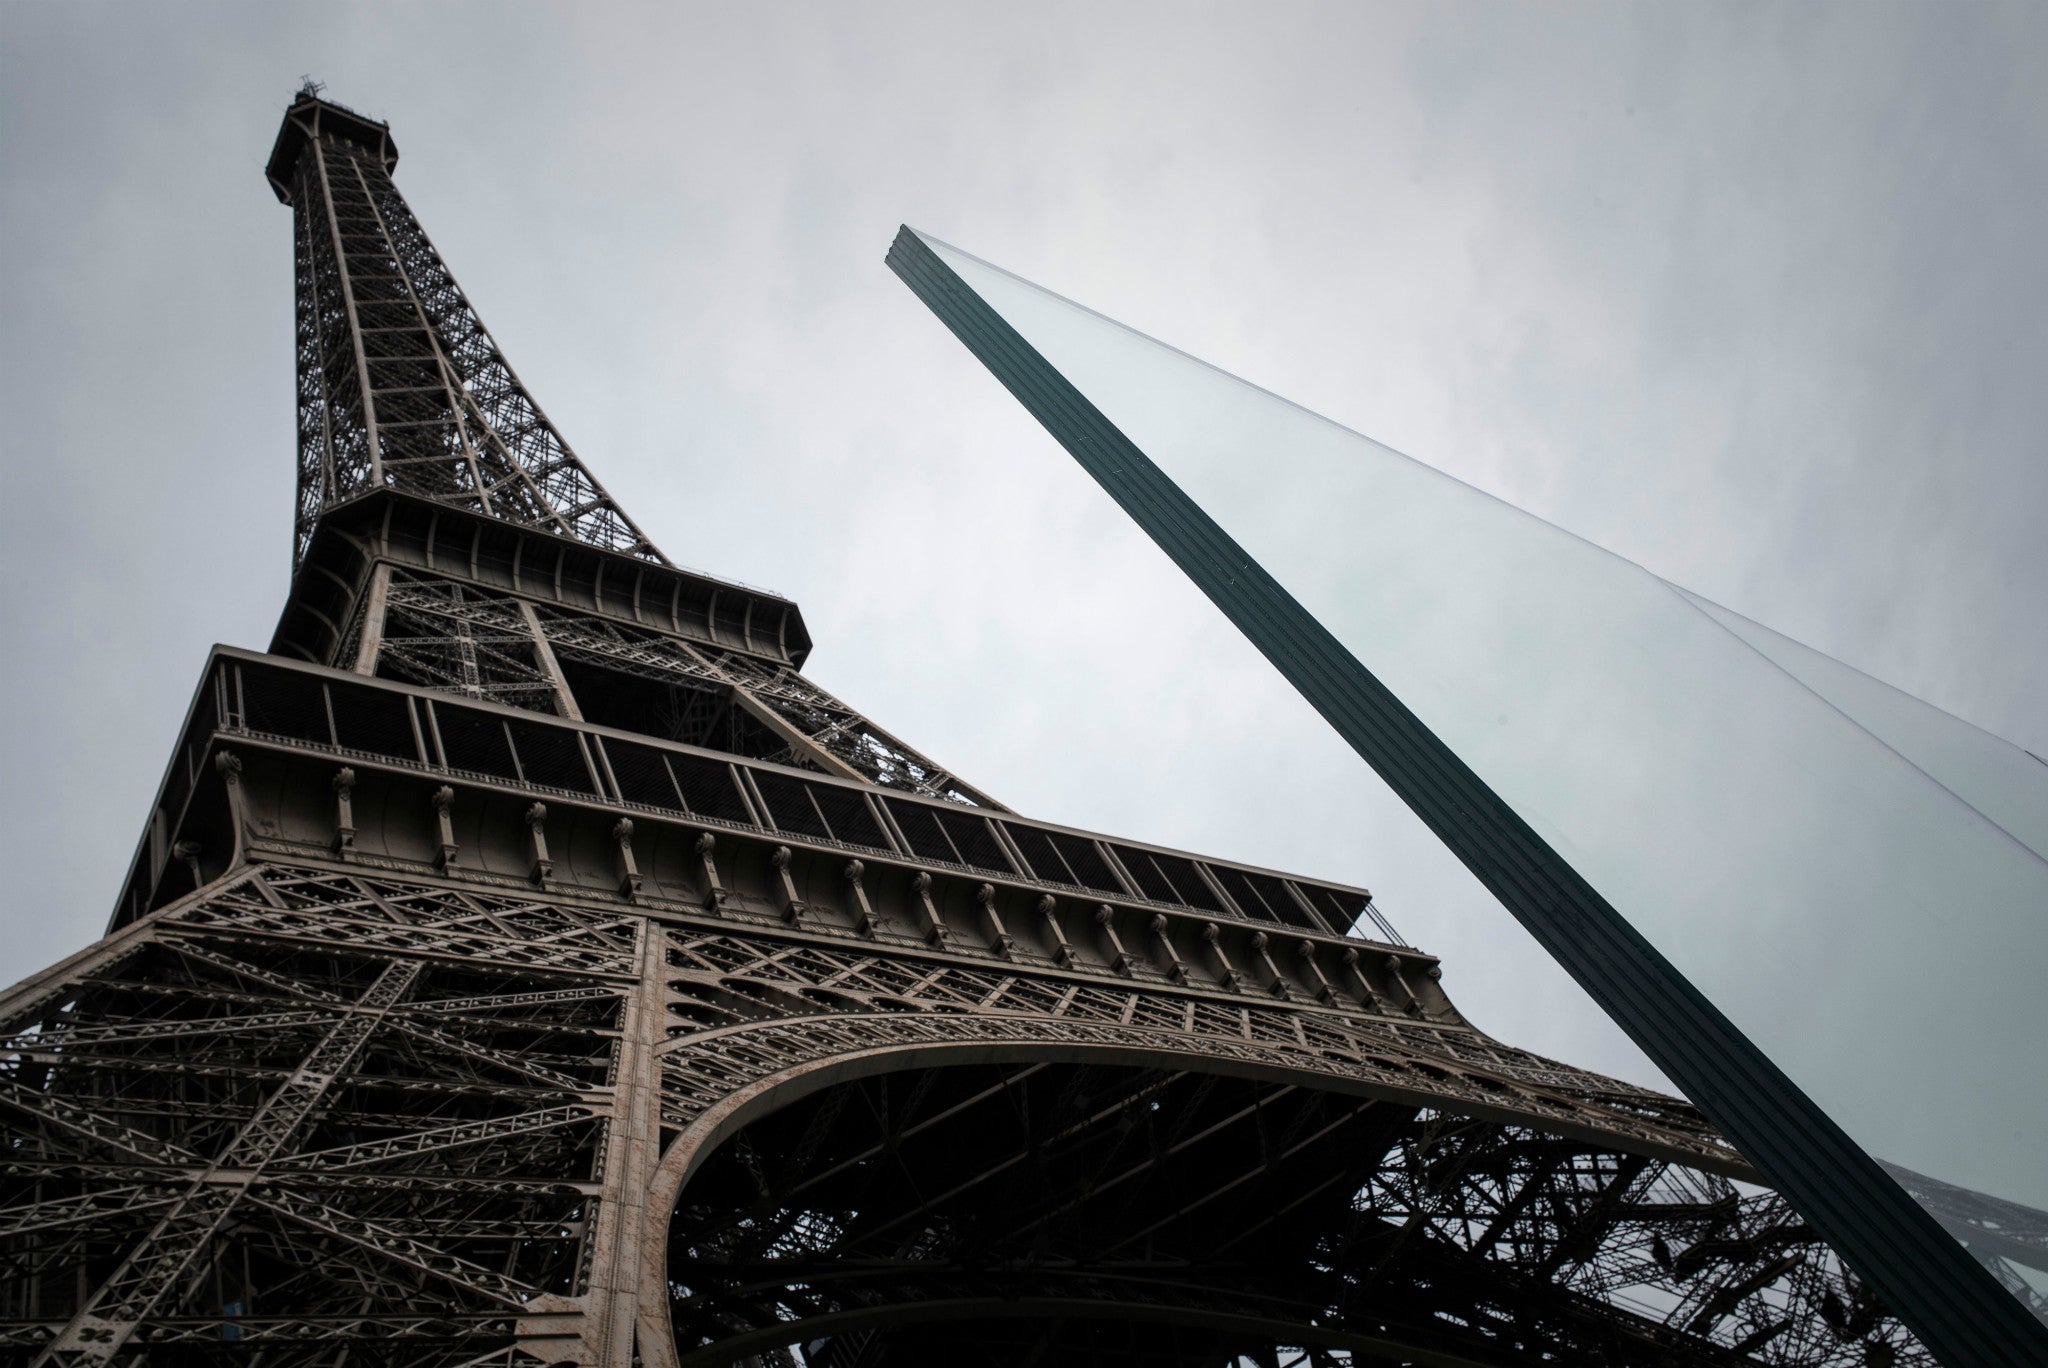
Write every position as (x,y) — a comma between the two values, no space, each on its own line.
(876,1222)
(346,1114)
(456,636)
(303,1112)
(863,749)
(399,384)
(1437,1231)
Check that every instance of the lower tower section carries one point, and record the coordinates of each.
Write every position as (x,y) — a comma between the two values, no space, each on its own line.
(338,1107)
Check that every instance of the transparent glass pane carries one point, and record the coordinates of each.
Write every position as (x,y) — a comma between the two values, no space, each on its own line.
(2005,783)
(1855,878)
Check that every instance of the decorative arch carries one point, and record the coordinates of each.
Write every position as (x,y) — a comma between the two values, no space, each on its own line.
(717,1082)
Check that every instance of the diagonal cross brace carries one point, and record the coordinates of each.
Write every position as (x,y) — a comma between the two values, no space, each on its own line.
(156,1263)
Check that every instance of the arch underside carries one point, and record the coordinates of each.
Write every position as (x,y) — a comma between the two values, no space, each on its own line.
(1034,1211)
(886,1181)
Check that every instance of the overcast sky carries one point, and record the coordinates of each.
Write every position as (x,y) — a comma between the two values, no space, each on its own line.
(1753,295)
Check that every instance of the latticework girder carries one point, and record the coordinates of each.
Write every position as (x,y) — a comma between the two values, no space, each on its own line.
(458,637)
(314,1096)
(1362,1224)
(399,384)
(293,1130)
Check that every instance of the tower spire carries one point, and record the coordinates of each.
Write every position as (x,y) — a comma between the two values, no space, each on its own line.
(399,384)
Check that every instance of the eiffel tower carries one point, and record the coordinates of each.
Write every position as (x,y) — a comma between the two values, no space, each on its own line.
(524,962)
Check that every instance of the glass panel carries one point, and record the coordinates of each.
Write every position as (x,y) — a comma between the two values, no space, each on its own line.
(2006,784)
(1853,877)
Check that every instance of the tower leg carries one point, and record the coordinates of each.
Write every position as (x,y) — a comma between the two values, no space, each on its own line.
(598,1329)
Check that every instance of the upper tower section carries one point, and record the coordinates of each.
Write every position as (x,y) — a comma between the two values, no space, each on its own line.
(399,386)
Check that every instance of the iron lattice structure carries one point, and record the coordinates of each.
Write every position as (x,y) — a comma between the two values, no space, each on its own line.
(525,963)
(399,385)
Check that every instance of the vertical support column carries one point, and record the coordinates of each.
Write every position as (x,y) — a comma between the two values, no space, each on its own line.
(565,702)
(374,446)
(597,1329)
(376,598)
(637,1114)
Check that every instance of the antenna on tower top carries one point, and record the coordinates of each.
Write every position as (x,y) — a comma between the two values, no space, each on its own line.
(309,86)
